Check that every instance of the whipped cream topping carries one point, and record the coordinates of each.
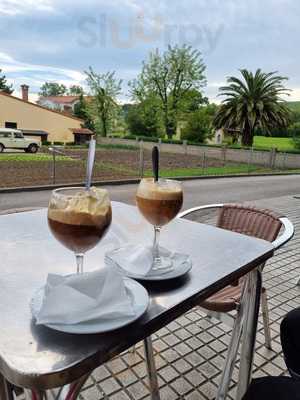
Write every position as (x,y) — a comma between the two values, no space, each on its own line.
(83,208)
(161,190)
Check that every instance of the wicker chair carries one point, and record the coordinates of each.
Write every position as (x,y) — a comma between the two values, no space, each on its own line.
(248,220)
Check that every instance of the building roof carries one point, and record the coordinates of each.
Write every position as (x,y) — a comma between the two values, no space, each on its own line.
(43,108)
(82,131)
(60,99)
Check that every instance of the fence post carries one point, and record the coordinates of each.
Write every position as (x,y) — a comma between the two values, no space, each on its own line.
(250,158)
(272,157)
(284,160)
(224,151)
(184,143)
(159,143)
(52,149)
(203,162)
(141,160)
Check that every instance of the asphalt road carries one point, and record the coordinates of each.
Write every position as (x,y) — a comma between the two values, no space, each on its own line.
(196,192)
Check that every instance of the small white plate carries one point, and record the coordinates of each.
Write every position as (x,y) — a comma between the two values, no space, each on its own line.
(180,270)
(140,301)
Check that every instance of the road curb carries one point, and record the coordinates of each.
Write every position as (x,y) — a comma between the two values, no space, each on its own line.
(132,181)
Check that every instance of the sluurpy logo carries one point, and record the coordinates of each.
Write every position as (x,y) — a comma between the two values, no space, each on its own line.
(198,24)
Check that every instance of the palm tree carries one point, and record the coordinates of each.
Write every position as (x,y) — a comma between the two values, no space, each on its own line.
(254,102)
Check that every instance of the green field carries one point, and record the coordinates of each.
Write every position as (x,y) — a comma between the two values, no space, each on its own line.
(294,105)
(31,157)
(266,142)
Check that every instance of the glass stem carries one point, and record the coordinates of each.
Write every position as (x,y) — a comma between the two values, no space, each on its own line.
(79,263)
(156,256)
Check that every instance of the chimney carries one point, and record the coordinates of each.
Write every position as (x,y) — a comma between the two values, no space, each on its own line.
(25,89)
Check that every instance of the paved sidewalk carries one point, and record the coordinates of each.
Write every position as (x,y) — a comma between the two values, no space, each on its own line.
(190,352)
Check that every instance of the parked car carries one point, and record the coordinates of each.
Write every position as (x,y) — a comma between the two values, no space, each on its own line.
(14,139)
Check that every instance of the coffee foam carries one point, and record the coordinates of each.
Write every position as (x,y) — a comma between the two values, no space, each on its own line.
(86,208)
(161,190)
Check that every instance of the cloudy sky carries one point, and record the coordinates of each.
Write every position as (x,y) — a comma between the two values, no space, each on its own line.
(56,40)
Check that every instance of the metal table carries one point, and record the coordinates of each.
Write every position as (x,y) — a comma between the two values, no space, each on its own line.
(39,358)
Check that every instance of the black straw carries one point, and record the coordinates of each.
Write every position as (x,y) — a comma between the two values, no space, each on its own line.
(155,162)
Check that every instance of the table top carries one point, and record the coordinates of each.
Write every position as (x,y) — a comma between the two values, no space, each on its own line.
(38,357)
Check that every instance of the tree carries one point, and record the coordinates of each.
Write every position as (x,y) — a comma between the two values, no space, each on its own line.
(251,103)
(103,107)
(81,111)
(52,89)
(75,90)
(169,77)
(192,101)
(4,87)
(199,124)
(143,119)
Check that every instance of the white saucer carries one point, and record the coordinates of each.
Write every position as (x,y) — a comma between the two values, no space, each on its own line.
(140,301)
(180,270)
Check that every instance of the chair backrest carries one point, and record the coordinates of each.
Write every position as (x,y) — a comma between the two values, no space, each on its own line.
(251,221)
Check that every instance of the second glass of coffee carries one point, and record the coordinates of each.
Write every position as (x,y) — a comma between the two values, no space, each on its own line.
(159,202)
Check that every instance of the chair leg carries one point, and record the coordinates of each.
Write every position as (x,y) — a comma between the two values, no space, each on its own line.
(233,345)
(231,357)
(151,368)
(266,319)
(249,331)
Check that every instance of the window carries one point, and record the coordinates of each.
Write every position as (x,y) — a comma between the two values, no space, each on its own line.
(19,135)
(5,134)
(11,125)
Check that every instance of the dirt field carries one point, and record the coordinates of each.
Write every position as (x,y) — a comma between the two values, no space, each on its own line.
(110,164)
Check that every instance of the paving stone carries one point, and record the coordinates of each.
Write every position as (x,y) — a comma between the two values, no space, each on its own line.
(181,386)
(101,373)
(127,377)
(138,390)
(110,385)
(168,373)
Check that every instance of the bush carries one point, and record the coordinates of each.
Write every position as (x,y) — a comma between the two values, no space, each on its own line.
(199,125)
(144,117)
(296,134)
(172,141)
(58,143)
(71,144)
(46,143)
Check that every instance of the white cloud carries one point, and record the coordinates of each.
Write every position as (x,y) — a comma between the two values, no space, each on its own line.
(35,75)
(14,7)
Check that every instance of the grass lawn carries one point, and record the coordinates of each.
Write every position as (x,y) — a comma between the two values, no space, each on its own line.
(266,142)
(31,157)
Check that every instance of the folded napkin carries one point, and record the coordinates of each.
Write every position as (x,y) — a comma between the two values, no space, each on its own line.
(85,297)
(138,259)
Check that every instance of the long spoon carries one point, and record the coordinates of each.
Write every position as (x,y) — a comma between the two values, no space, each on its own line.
(90,164)
(155,163)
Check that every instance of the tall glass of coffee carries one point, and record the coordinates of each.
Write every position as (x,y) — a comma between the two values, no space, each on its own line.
(79,218)
(159,202)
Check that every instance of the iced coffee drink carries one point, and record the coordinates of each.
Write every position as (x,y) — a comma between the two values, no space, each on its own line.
(78,218)
(159,202)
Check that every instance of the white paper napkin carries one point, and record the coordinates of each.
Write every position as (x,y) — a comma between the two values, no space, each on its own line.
(85,297)
(138,259)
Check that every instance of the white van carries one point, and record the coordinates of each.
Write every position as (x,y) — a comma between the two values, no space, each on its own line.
(14,139)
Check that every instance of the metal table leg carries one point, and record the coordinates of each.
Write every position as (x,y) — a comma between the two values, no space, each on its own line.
(249,331)
(151,368)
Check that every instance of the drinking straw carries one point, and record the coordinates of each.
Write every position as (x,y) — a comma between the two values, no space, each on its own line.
(155,162)
(90,163)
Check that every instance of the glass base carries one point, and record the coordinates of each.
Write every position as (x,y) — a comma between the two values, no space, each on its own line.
(161,264)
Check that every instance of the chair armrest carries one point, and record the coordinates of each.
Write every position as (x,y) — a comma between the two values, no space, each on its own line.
(287,234)
(193,209)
